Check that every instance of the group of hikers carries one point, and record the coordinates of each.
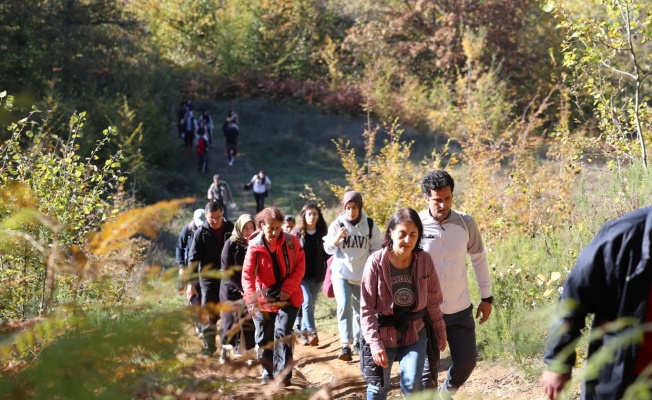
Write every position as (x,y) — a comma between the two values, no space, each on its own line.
(402,294)
(199,131)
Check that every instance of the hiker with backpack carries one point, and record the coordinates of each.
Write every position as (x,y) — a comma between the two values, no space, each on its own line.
(231,133)
(220,191)
(208,123)
(202,147)
(190,126)
(271,279)
(183,253)
(260,184)
(351,238)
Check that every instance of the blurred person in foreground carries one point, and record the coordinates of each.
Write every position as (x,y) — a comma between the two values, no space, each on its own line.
(400,315)
(610,280)
(271,279)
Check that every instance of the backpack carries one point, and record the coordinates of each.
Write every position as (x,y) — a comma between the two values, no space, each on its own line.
(202,145)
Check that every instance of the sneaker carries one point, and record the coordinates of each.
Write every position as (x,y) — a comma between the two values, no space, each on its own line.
(303,338)
(225,353)
(346,355)
(313,340)
(231,163)
(356,347)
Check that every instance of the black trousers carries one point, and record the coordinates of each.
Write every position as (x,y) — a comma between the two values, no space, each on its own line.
(277,358)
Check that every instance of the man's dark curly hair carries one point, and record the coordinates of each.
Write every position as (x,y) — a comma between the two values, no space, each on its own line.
(436,180)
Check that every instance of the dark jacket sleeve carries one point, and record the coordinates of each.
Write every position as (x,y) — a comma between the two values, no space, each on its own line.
(182,246)
(585,291)
(195,255)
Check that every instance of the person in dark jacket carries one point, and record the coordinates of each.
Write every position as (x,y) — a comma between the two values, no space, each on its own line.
(400,308)
(237,332)
(611,280)
(205,258)
(311,231)
(185,239)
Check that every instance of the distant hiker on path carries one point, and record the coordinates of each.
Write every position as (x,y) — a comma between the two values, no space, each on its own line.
(231,133)
(448,236)
(210,127)
(202,147)
(351,238)
(260,184)
(400,315)
(220,191)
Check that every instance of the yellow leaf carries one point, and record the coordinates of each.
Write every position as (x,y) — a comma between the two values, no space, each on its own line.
(555,276)
(541,279)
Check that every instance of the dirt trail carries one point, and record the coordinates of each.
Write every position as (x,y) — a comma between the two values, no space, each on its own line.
(320,373)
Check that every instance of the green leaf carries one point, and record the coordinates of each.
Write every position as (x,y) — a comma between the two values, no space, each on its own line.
(548,6)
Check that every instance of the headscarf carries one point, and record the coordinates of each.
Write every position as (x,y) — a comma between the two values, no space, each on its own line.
(356,198)
(236,236)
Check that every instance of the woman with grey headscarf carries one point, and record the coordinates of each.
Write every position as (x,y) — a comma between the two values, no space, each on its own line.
(233,254)
(351,238)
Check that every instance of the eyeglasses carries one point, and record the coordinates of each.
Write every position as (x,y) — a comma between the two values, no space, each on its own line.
(213,219)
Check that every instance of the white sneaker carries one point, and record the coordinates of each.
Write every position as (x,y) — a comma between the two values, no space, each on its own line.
(231,163)
(225,353)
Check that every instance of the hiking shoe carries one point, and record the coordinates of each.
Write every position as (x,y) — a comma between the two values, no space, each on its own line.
(356,347)
(346,355)
(313,340)
(303,338)
(225,353)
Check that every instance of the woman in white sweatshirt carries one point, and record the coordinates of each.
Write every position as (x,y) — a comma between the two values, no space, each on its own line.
(351,238)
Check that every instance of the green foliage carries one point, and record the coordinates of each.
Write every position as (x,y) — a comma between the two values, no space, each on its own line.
(607,55)
(80,357)
(386,179)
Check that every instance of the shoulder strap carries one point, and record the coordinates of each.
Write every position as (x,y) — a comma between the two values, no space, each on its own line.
(370,222)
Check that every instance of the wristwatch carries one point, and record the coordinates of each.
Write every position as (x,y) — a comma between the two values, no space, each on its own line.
(489,299)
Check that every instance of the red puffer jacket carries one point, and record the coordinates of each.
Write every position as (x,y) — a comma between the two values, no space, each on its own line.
(258,270)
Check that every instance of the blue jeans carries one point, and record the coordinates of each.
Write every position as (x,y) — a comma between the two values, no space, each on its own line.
(347,296)
(411,359)
(310,292)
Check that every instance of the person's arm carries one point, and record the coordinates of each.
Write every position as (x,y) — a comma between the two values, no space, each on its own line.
(209,194)
(368,300)
(194,258)
(585,291)
(376,239)
(292,282)
(435,298)
(229,195)
(182,244)
(478,256)
(249,278)
(334,237)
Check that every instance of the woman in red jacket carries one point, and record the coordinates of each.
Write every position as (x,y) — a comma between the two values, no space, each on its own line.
(271,279)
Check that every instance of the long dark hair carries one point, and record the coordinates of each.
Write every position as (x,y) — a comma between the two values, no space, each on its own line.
(322,227)
(400,216)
